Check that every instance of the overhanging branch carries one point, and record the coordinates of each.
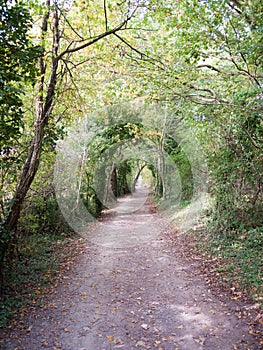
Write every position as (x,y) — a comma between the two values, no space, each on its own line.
(99,37)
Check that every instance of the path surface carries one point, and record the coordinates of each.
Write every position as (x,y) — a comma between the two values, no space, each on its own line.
(129,290)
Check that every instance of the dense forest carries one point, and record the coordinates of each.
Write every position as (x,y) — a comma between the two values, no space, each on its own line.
(167,90)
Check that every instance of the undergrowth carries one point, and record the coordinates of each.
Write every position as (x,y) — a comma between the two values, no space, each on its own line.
(28,271)
(240,257)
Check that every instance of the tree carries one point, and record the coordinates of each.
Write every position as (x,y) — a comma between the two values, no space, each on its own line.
(53,64)
(18,66)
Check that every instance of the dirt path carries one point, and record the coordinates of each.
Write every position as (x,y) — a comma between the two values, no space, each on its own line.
(130,290)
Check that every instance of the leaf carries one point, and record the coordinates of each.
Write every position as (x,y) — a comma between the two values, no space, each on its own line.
(145,326)
(29,328)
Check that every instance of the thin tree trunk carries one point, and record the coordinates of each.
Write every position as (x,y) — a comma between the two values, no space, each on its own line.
(137,177)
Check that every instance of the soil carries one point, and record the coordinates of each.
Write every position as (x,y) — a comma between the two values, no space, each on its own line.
(130,288)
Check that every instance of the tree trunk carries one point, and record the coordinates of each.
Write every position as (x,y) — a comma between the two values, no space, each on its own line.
(137,177)
(43,111)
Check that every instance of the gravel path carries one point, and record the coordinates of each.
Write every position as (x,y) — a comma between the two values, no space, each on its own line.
(130,290)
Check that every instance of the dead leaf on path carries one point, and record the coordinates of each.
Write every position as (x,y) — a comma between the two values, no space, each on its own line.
(157,342)
(45,343)
(140,343)
(145,326)
(29,328)
(110,337)
(83,296)
(200,340)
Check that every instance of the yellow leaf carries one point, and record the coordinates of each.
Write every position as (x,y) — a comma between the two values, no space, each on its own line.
(110,337)
(251,331)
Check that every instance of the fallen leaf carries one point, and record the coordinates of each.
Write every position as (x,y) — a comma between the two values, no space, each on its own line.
(145,326)
(157,342)
(29,328)
(140,343)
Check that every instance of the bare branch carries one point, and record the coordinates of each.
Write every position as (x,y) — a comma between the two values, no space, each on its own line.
(252,141)
(73,29)
(130,46)
(105,14)
(210,67)
(235,6)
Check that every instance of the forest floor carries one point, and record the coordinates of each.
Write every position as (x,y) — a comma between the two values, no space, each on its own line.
(129,285)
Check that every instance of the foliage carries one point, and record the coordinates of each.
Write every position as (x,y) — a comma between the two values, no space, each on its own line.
(18,65)
(212,76)
(240,261)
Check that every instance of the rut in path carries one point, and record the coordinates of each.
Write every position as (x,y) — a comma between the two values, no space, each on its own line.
(130,291)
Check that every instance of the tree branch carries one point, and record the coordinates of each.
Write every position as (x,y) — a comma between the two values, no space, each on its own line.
(99,37)
(252,141)
(105,14)
(73,29)
(210,67)
(130,46)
